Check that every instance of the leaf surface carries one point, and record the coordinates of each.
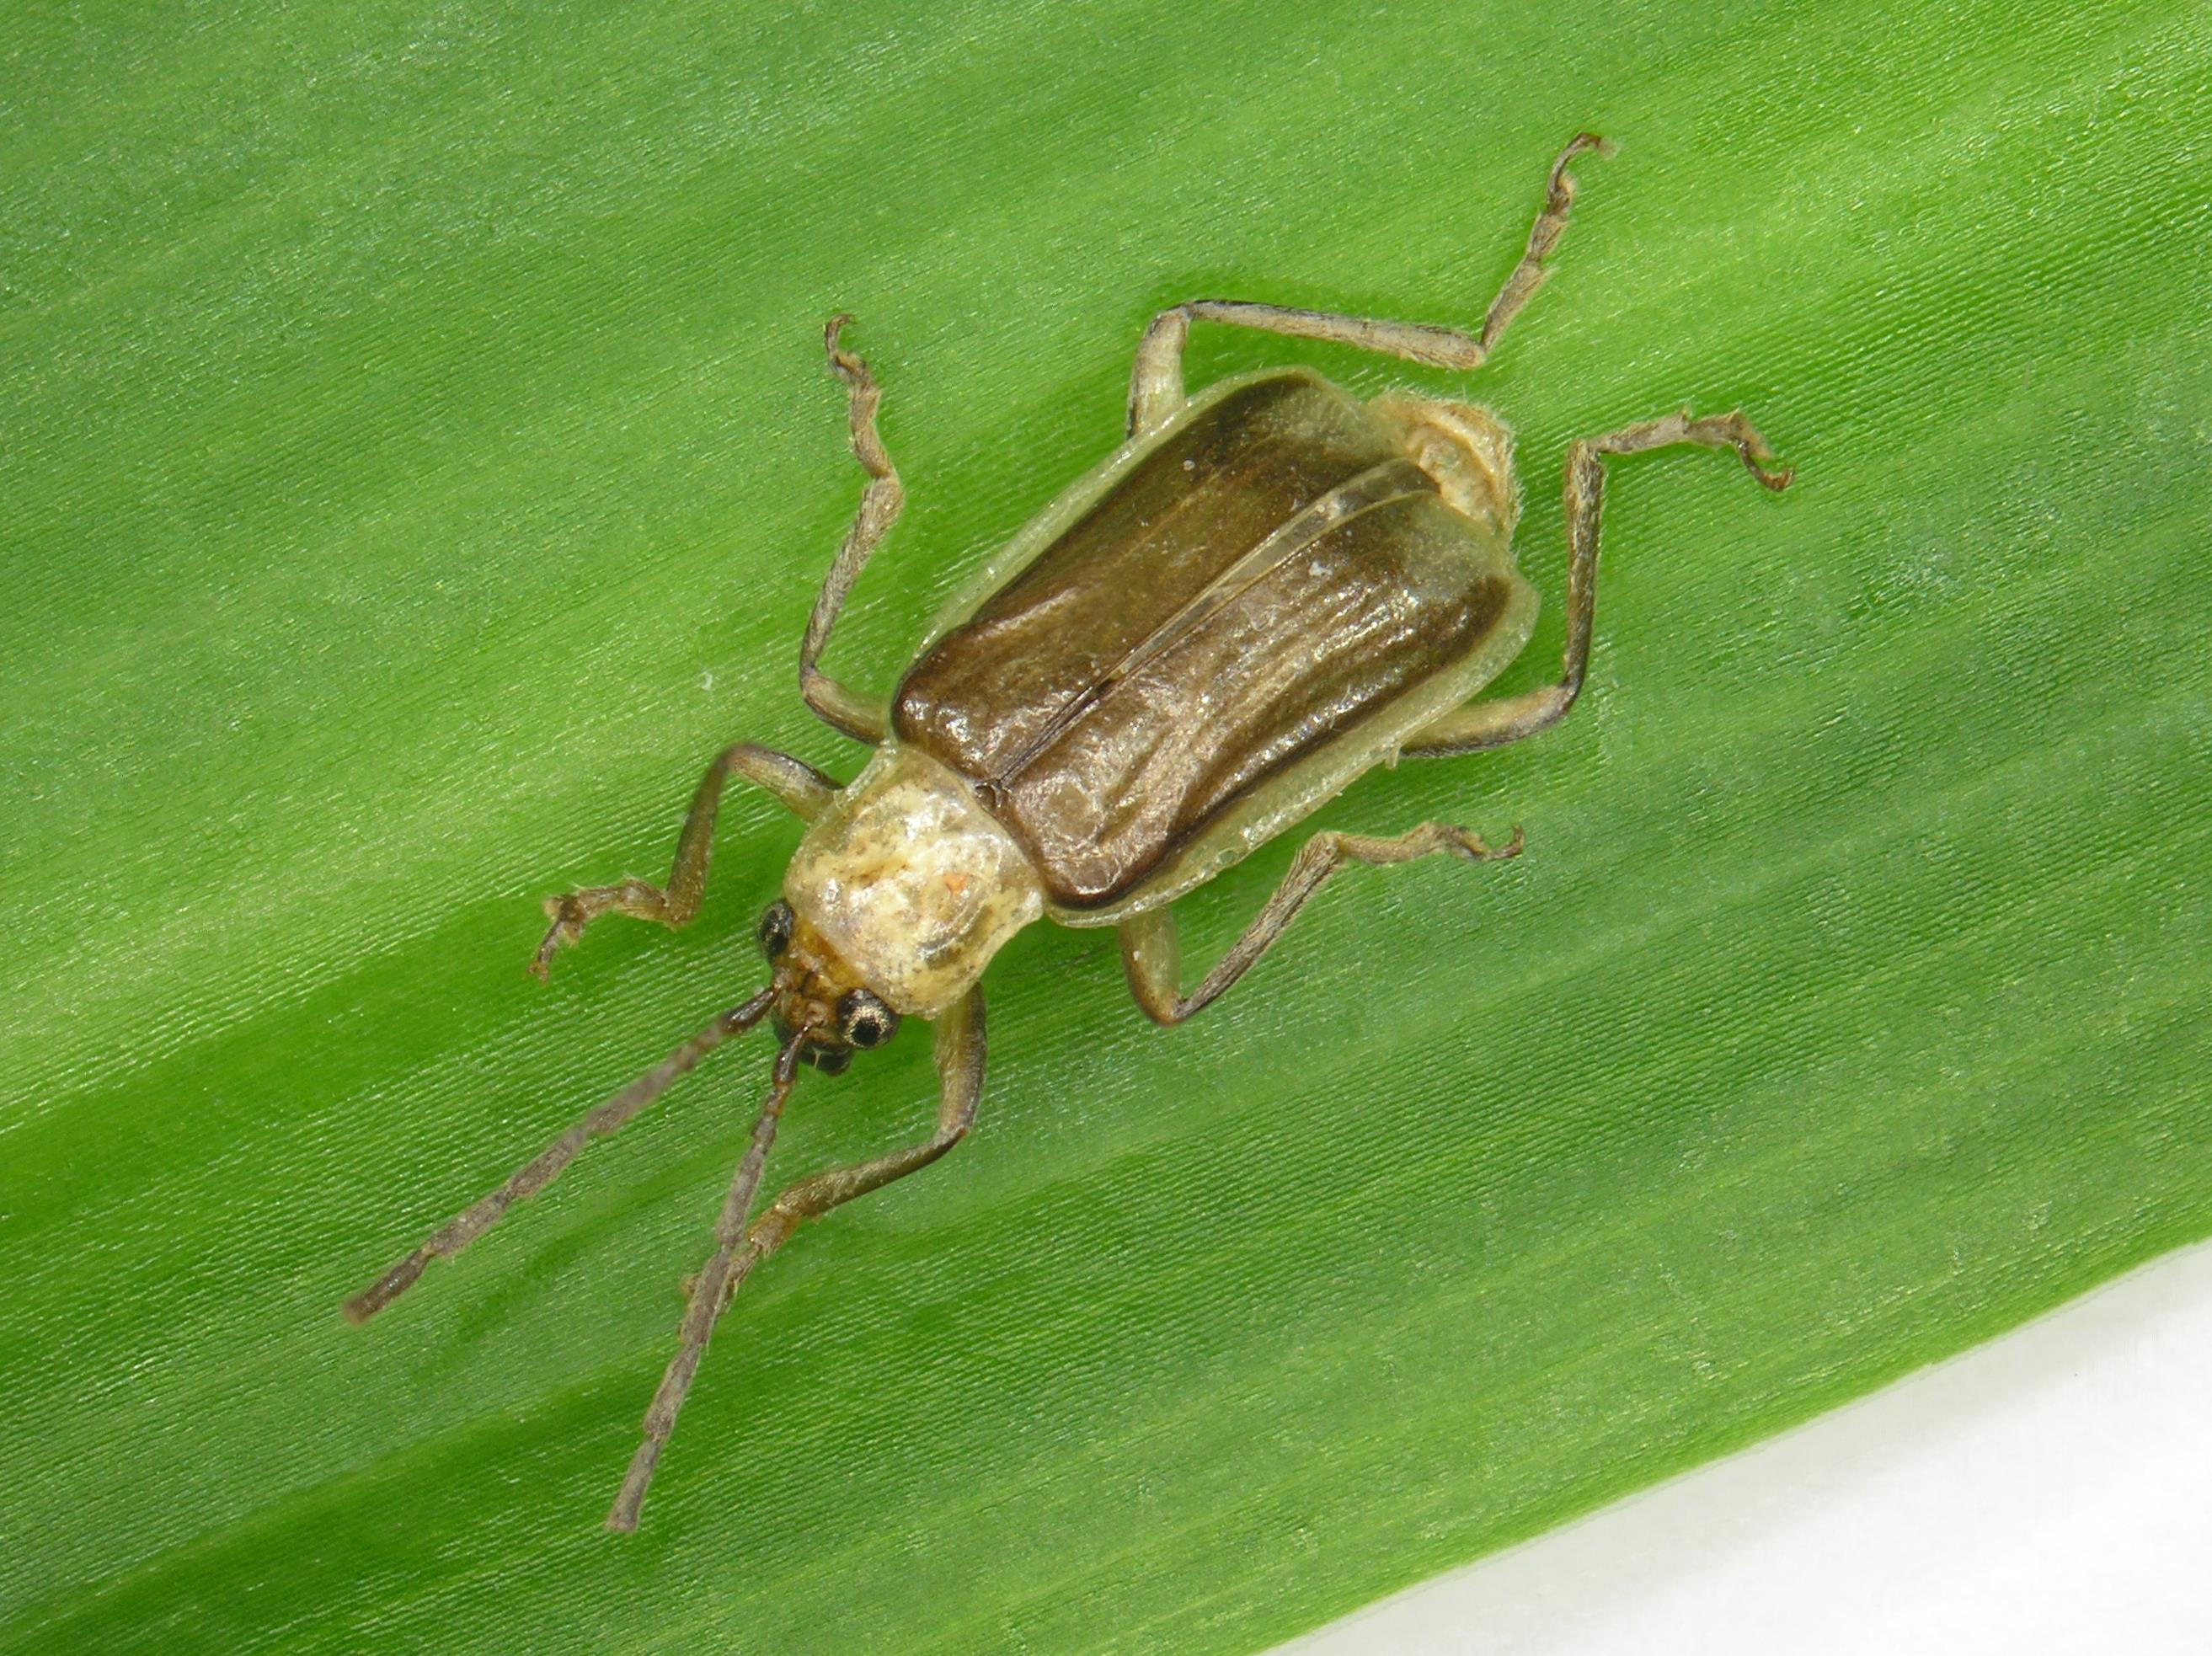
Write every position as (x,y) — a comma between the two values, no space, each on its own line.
(418,461)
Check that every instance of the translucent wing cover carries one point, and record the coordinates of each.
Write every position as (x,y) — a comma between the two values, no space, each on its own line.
(1210,635)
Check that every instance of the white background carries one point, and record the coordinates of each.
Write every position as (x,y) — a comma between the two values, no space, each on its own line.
(2049,1491)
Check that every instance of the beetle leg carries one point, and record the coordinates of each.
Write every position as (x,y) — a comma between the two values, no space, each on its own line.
(1156,389)
(863,717)
(1493,723)
(1153,957)
(802,788)
(960,1072)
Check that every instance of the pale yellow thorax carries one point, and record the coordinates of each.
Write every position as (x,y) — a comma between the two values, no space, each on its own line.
(910,879)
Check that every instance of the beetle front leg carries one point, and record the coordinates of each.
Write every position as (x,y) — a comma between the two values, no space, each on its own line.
(1493,723)
(866,719)
(1156,389)
(802,789)
(1151,955)
(959,1052)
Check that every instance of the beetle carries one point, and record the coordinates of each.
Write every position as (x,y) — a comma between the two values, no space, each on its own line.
(1269,588)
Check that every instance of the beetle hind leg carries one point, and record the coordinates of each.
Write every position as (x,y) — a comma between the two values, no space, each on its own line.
(1493,723)
(1156,388)
(1152,956)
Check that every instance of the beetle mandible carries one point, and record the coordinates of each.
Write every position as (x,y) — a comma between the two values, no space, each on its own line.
(1268,588)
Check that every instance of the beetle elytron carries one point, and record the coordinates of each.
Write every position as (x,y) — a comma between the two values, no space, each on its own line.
(1268,588)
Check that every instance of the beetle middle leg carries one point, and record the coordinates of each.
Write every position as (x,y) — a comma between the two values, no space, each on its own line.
(1483,724)
(1151,955)
(1156,389)
(740,1247)
(866,719)
(801,788)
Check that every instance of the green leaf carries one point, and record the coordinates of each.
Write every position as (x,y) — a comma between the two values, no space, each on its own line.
(418,461)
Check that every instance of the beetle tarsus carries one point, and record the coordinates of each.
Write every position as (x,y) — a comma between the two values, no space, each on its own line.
(572,912)
(1469,847)
(568,922)
(842,363)
(1544,236)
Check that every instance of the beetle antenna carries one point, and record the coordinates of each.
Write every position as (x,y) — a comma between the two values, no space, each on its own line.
(543,1168)
(711,1291)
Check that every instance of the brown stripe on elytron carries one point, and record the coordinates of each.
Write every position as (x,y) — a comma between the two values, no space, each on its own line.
(1377,486)
(1163,531)
(1335,640)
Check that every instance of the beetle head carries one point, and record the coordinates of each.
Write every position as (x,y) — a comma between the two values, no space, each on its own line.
(819,998)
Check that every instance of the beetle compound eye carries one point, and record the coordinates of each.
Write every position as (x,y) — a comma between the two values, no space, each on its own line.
(775,925)
(864,1021)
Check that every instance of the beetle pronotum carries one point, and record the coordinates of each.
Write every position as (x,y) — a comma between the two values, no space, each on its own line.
(1268,588)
